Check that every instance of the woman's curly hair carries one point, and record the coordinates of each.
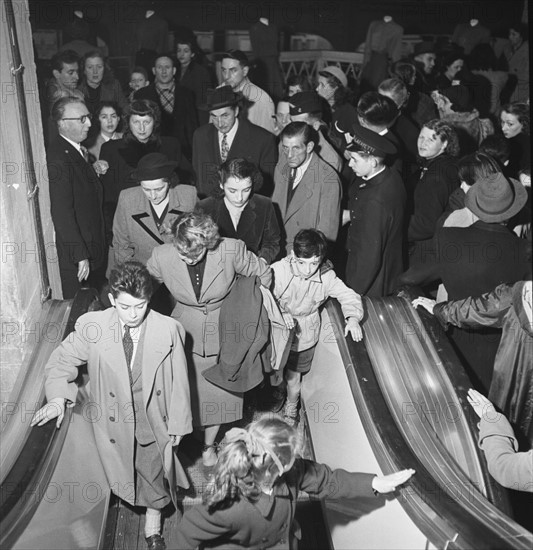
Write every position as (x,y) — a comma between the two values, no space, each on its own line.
(194,232)
(446,133)
(249,458)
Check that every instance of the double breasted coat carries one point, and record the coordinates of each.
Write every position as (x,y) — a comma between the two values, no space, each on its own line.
(316,203)
(97,341)
(135,233)
(258,226)
(251,142)
(375,236)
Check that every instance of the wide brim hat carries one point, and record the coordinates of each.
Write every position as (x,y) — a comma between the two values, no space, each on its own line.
(217,98)
(370,142)
(154,166)
(337,73)
(495,199)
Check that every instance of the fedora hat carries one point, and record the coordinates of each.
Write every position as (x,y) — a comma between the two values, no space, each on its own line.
(154,166)
(217,98)
(495,198)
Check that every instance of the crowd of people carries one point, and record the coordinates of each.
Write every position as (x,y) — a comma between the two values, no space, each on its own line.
(196,209)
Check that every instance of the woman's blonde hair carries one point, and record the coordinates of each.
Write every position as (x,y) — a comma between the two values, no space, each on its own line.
(193,232)
(250,457)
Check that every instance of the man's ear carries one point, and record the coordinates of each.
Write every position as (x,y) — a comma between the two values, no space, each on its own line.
(112,299)
(56,74)
(153,71)
(174,70)
(245,70)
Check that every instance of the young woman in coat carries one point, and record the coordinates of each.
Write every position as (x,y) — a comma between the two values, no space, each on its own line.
(240,213)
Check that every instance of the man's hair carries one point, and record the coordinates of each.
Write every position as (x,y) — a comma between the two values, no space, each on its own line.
(58,109)
(63,58)
(377,109)
(404,70)
(397,88)
(496,146)
(309,243)
(167,55)
(478,165)
(131,278)
(300,128)
(238,55)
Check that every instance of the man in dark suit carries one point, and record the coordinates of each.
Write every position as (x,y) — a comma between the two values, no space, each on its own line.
(178,110)
(227,137)
(75,200)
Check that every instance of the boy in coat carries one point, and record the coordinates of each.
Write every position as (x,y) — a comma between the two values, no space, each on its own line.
(140,389)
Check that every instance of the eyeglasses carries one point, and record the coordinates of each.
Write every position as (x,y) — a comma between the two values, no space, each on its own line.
(82,119)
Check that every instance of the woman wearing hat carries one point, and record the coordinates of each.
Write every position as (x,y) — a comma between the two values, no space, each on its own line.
(473,260)
(333,87)
(200,268)
(376,214)
(145,213)
(142,120)
(240,213)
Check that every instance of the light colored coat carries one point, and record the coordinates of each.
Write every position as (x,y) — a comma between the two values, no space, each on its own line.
(316,202)
(200,317)
(97,341)
(303,297)
(135,232)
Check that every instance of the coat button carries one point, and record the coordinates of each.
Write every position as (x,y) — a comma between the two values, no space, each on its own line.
(164,418)
(158,392)
(112,440)
(112,418)
(111,394)
(264,539)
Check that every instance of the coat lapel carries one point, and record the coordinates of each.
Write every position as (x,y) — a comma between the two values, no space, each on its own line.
(213,269)
(157,346)
(247,220)
(113,349)
(304,190)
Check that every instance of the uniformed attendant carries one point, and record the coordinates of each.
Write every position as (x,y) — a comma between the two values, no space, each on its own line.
(376,208)
(250,501)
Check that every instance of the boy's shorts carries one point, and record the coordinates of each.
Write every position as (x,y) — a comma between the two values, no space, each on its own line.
(300,361)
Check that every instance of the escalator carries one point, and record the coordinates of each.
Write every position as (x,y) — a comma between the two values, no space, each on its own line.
(403,392)
(53,491)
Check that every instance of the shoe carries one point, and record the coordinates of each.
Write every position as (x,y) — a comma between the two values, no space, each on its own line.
(209,456)
(156,542)
(290,413)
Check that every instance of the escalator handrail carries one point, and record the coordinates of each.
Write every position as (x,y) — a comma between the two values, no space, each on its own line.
(446,520)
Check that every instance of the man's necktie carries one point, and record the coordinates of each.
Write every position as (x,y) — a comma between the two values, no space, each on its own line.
(167,100)
(84,152)
(292,177)
(127,342)
(224,149)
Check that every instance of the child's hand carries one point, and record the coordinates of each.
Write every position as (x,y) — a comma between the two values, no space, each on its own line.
(289,320)
(354,328)
(55,408)
(388,484)
(426,303)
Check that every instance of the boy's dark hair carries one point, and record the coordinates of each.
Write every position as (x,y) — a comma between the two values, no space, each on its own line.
(309,243)
(66,57)
(132,278)
(377,109)
(497,147)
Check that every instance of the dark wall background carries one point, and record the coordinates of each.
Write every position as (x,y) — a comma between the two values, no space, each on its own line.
(342,22)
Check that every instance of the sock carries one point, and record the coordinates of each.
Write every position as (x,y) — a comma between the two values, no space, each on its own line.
(152,525)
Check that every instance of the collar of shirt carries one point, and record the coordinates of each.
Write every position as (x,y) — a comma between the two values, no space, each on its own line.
(234,211)
(170,88)
(135,332)
(77,146)
(230,136)
(161,206)
(367,178)
(300,171)
(384,132)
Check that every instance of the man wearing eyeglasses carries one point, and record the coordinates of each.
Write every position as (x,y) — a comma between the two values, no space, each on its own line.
(75,200)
